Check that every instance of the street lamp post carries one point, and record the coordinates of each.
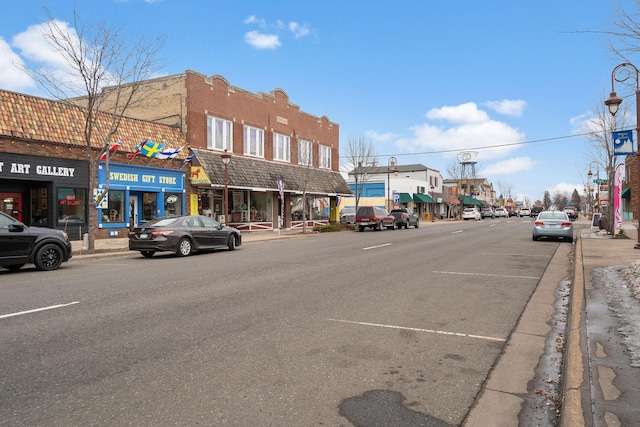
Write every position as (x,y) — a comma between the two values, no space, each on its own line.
(433,206)
(590,176)
(391,165)
(613,103)
(226,159)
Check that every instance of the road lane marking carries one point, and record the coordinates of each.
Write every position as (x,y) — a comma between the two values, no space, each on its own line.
(376,247)
(486,274)
(518,255)
(431,331)
(457,231)
(35,310)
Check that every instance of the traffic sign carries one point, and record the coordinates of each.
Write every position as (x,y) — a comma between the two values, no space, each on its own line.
(396,197)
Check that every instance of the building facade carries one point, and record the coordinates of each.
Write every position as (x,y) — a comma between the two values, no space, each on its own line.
(44,169)
(285,162)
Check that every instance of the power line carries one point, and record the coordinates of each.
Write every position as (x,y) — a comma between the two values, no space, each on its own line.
(456,150)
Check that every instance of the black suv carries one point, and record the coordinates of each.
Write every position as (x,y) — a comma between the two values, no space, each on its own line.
(45,247)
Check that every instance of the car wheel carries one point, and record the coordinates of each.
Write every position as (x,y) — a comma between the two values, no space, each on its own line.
(49,257)
(417,223)
(393,226)
(379,226)
(534,238)
(360,228)
(231,244)
(147,254)
(184,247)
(14,267)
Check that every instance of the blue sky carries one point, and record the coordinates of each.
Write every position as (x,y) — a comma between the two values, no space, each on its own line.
(415,77)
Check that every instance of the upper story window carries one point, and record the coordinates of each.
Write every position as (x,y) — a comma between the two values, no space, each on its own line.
(305,153)
(253,141)
(281,147)
(219,134)
(324,157)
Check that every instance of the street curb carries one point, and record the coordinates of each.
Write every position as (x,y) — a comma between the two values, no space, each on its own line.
(571,413)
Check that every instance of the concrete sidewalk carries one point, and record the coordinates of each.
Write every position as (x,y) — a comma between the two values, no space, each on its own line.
(600,387)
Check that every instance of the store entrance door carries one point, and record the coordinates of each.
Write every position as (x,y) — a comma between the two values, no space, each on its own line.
(133,211)
(11,203)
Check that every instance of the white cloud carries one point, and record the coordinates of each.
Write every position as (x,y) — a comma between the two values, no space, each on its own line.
(12,77)
(509,107)
(297,30)
(253,20)
(463,113)
(34,47)
(262,41)
(465,126)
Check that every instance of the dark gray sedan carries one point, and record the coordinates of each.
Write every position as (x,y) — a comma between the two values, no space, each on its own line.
(552,225)
(183,235)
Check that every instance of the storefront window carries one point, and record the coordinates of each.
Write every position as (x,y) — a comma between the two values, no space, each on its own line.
(172,204)
(149,206)
(116,210)
(71,206)
(315,208)
(261,207)
(39,210)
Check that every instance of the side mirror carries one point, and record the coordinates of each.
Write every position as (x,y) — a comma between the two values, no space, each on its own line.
(16,227)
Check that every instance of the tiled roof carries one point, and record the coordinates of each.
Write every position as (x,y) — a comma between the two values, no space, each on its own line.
(248,172)
(39,119)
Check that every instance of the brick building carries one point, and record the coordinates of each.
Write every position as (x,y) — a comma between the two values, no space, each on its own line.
(271,141)
(44,169)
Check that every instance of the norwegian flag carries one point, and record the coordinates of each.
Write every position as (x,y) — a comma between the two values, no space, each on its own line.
(113,148)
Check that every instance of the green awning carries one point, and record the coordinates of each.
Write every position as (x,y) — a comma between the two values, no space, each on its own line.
(422,198)
(469,201)
(405,198)
(626,193)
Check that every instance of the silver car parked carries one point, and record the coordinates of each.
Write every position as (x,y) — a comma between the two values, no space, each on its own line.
(552,225)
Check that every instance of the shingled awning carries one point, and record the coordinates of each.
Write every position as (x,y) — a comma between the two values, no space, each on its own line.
(262,175)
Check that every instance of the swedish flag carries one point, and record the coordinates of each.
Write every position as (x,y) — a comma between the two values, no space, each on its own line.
(150,148)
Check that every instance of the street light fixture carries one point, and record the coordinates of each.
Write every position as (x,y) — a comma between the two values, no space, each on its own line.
(226,159)
(629,72)
(391,165)
(433,206)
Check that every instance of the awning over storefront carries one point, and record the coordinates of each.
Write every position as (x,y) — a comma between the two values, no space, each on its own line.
(405,198)
(250,173)
(422,198)
(626,193)
(468,200)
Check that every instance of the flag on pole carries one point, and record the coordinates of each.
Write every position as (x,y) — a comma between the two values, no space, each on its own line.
(150,148)
(169,153)
(188,159)
(137,149)
(114,147)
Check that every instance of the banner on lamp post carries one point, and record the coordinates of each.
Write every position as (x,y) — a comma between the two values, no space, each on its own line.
(622,143)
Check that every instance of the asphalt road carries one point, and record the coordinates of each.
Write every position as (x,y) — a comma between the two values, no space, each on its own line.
(374,328)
